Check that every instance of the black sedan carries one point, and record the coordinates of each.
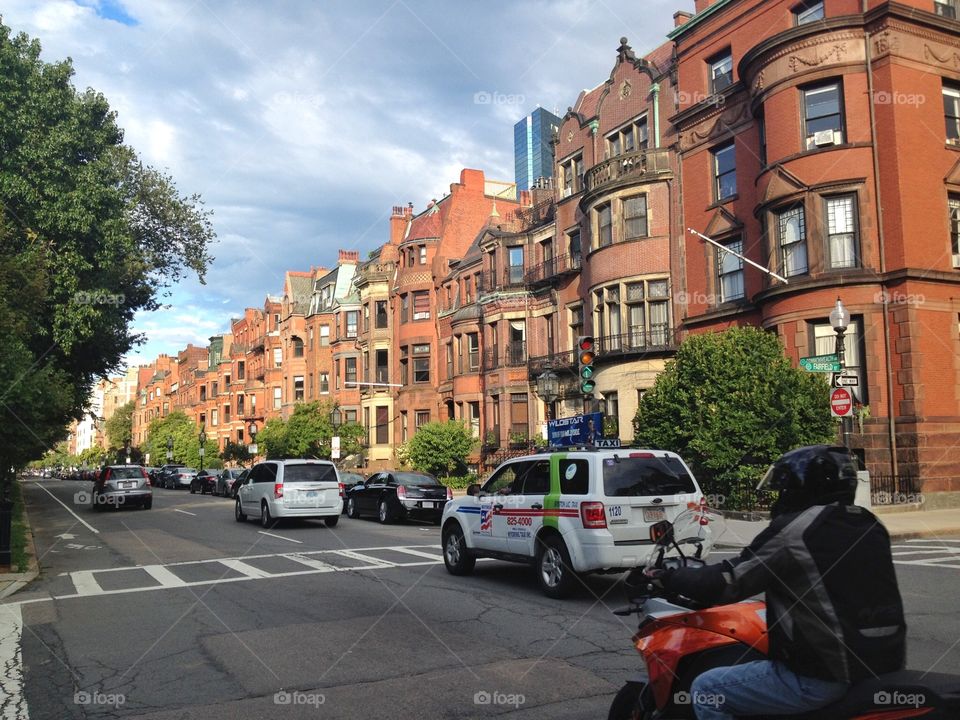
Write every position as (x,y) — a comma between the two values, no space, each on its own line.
(204,481)
(393,495)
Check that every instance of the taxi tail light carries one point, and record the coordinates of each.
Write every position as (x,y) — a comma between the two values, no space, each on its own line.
(449,494)
(593,515)
(401,492)
(278,490)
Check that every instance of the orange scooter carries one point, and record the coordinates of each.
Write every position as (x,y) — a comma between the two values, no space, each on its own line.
(679,639)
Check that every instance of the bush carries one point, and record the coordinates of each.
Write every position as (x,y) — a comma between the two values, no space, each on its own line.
(459,482)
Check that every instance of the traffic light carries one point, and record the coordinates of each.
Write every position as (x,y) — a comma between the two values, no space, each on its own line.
(586,354)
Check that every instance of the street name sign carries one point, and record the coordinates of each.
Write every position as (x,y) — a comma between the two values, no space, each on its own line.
(821,363)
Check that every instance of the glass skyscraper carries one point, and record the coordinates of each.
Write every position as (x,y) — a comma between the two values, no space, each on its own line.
(533,154)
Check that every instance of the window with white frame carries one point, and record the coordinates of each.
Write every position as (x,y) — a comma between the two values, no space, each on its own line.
(421,363)
(946,8)
(277,398)
(633,314)
(954,208)
(324,382)
(808,12)
(298,388)
(792,240)
(353,317)
(277,357)
(421,305)
(324,335)
(842,241)
(721,71)
(951,111)
(724,171)
(730,271)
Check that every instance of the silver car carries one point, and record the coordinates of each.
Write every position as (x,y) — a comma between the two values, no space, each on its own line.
(119,485)
(278,489)
(181,478)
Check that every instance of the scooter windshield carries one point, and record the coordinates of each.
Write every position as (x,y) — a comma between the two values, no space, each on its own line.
(693,533)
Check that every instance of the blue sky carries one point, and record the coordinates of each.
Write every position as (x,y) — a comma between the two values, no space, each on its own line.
(302,123)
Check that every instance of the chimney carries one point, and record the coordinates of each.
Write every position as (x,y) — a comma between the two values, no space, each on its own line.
(349,257)
(398,222)
(680,17)
(526,199)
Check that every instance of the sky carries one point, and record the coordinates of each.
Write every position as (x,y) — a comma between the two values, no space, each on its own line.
(302,123)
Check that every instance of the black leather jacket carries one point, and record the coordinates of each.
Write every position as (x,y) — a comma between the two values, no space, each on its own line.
(833,606)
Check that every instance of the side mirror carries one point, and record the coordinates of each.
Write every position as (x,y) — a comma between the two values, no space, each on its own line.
(473,490)
(661,533)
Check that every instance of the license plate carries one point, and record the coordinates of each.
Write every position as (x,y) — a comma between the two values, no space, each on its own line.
(312,494)
(429,504)
(654,514)
(125,485)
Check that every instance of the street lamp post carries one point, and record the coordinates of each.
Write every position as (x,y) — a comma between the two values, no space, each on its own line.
(840,321)
(548,388)
(253,430)
(335,420)
(170,449)
(203,441)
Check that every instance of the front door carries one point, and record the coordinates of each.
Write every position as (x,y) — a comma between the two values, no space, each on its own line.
(498,495)
(526,515)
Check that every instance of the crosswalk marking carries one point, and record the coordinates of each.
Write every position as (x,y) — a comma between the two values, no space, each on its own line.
(311,562)
(244,569)
(163,576)
(84,582)
(926,553)
(371,561)
(418,553)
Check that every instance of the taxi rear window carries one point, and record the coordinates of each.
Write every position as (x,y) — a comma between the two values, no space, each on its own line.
(642,476)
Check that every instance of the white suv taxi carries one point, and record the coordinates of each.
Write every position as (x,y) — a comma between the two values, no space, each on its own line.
(568,511)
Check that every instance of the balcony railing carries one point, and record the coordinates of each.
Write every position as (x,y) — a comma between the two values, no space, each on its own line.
(656,338)
(512,355)
(510,277)
(637,165)
(554,361)
(551,269)
(540,214)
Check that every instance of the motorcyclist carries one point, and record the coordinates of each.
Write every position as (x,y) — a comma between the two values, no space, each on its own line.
(834,613)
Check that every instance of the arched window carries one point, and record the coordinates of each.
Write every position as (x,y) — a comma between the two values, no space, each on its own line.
(297,346)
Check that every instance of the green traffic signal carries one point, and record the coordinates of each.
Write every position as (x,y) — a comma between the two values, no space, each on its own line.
(586,372)
(587,386)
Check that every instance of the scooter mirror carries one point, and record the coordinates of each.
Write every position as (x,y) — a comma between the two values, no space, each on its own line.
(661,533)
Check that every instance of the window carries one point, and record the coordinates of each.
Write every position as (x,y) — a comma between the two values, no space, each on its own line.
(423,254)
(721,72)
(383,425)
(725,172)
(473,350)
(203,393)
(762,137)
(824,339)
(576,323)
(277,357)
(421,418)
(324,336)
(350,372)
(842,231)
(954,205)
(214,389)
(366,321)
(421,305)
(604,226)
(951,111)
(573,242)
(474,418)
(404,426)
(635,217)
(449,351)
(730,271)
(515,265)
(213,417)
(421,363)
(240,404)
(241,370)
(380,320)
(946,8)
(808,12)
(298,388)
(519,416)
(297,347)
(572,175)
(353,318)
(383,366)
(324,382)
(253,404)
(226,414)
(823,116)
(404,365)
(404,307)
(792,239)
(629,138)
(240,436)
(336,374)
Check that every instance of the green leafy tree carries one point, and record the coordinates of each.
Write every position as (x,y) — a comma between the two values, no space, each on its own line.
(235,452)
(272,439)
(89,236)
(308,433)
(729,404)
(441,447)
(119,428)
(186,442)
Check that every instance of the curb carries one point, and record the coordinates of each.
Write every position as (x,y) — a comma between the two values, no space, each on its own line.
(18,581)
(917,534)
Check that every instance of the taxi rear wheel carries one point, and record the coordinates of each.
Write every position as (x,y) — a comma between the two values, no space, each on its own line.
(554,572)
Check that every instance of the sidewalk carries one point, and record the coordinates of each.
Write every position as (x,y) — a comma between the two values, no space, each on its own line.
(900,525)
(12,582)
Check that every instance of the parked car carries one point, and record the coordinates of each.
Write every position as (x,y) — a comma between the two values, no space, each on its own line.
(349,479)
(570,512)
(278,489)
(153,473)
(163,476)
(120,485)
(226,480)
(204,481)
(180,478)
(393,495)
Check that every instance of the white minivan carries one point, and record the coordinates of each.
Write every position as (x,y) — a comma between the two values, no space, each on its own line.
(278,489)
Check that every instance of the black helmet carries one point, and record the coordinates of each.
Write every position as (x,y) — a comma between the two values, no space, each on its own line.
(812,475)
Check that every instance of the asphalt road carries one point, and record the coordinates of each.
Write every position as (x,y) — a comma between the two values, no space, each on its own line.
(181,612)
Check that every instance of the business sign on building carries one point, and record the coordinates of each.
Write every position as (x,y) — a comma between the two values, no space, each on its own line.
(576,430)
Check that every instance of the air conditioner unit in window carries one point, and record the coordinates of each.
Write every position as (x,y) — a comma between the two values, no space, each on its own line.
(567,192)
(824,137)
(956,260)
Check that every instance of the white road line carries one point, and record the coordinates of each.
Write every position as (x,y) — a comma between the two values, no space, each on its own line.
(375,562)
(184,512)
(926,540)
(419,553)
(83,522)
(925,563)
(84,582)
(931,551)
(164,576)
(249,570)
(280,537)
(11,680)
(311,562)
